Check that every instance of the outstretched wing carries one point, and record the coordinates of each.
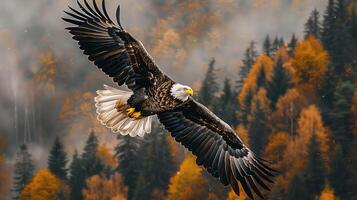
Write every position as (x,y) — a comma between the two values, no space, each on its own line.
(112,49)
(217,148)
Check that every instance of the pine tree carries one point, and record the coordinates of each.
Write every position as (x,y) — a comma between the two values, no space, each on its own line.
(261,79)
(281,42)
(250,56)
(328,24)
(296,189)
(128,158)
(275,45)
(313,25)
(245,108)
(156,165)
(76,178)
(91,163)
(225,107)
(209,86)
(258,128)
(267,46)
(341,113)
(314,173)
(23,170)
(339,173)
(279,84)
(292,44)
(57,160)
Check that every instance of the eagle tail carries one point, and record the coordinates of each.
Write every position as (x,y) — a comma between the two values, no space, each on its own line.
(111,105)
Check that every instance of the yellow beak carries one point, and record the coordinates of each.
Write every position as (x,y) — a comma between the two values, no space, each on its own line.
(189,91)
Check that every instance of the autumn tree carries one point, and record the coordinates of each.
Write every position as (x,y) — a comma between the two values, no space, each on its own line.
(274,151)
(279,84)
(209,86)
(98,187)
(23,170)
(327,194)
(44,186)
(233,196)
(188,183)
(57,160)
(127,153)
(4,173)
(76,177)
(310,63)
(313,25)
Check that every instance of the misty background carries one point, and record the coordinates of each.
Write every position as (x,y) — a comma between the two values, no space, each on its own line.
(47,85)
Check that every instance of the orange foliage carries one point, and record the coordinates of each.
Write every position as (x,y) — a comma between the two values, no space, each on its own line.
(101,188)
(250,82)
(327,194)
(188,183)
(212,196)
(44,186)
(47,72)
(233,196)
(106,156)
(310,64)
(243,134)
(274,151)
(288,109)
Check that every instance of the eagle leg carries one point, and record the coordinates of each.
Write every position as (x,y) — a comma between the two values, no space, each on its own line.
(136,115)
(130,111)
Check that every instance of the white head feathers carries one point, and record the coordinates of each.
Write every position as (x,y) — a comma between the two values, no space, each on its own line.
(181,92)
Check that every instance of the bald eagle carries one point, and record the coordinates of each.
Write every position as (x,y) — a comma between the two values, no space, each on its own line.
(119,55)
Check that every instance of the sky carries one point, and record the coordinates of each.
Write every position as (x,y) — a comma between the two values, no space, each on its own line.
(47,85)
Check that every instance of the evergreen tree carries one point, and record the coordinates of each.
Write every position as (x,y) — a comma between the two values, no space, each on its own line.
(23,170)
(261,78)
(341,113)
(292,44)
(275,45)
(314,173)
(328,24)
(128,158)
(91,163)
(353,29)
(339,173)
(313,25)
(244,110)
(279,84)
(225,107)
(281,42)
(250,56)
(258,129)
(76,178)
(209,86)
(156,165)
(296,189)
(267,46)
(57,160)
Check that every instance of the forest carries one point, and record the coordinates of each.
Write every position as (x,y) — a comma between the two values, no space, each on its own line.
(294,103)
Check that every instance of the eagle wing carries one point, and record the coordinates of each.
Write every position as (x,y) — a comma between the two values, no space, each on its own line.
(112,49)
(217,148)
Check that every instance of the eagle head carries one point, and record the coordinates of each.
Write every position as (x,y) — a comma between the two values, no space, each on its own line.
(181,92)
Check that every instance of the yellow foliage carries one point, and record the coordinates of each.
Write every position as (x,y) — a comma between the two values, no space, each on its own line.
(250,82)
(47,72)
(233,196)
(101,188)
(106,156)
(44,186)
(212,196)
(310,63)
(327,194)
(188,183)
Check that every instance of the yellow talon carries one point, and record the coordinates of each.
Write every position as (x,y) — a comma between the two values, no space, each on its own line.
(130,111)
(136,115)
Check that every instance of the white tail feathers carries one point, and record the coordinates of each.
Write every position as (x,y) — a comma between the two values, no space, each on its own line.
(117,120)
